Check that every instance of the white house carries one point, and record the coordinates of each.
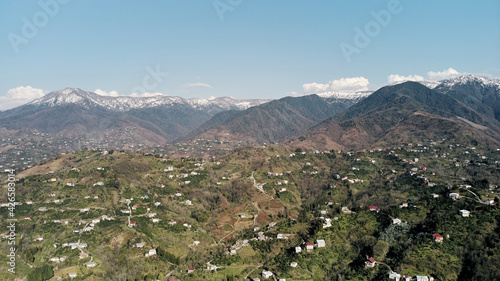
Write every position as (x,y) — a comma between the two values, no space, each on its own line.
(294,264)
(266,274)
(211,267)
(327,223)
(464,213)
(72,275)
(422,278)
(298,250)
(454,196)
(320,243)
(395,276)
(346,210)
(396,221)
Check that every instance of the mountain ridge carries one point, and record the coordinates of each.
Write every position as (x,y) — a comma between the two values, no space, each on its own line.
(273,121)
(125,103)
(403,111)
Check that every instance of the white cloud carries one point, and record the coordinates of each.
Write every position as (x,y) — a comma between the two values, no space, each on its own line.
(144,95)
(394,78)
(199,84)
(19,96)
(312,88)
(441,75)
(351,84)
(104,93)
(27,92)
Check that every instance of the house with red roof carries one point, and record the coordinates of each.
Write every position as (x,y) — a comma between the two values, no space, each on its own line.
(437,237)
(369,263)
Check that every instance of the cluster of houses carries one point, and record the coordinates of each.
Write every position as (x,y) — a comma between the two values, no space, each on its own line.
(58,259)
(371,262)
(309,246)
(74,245)
(237,246)
(398,277)
(327,222)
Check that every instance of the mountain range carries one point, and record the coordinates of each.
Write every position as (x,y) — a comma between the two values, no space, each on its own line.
(155,120)
(273,121)
(464,107)
(160,119)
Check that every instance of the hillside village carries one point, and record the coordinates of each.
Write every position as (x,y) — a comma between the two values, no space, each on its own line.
(233,140)
(411,212)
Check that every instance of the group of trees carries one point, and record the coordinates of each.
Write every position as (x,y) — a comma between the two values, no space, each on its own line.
(41,273)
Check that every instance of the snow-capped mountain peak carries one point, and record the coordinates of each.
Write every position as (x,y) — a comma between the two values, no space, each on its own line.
(125,103)
(345,95)
(459,80)
(469,78)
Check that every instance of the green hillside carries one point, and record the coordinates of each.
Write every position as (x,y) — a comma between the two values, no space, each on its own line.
(263,202)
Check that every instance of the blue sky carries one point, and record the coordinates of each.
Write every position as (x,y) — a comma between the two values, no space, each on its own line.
(239,48)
